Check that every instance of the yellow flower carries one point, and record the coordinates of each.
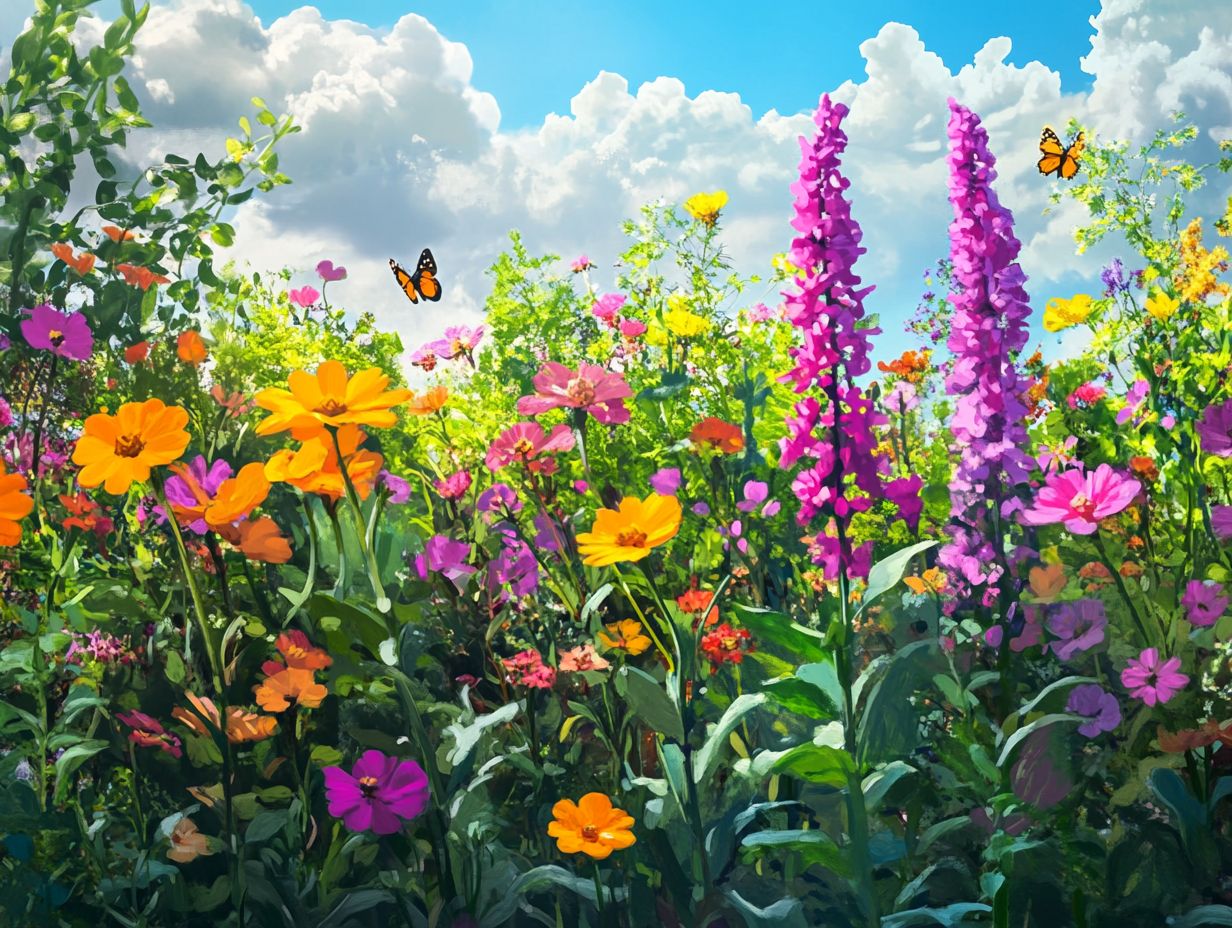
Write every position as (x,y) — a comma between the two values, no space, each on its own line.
(629,534)
(625,635)
(782,263)
(117,451)
(1161,306)
(1061,314)
(705,207)
(685,324)
(329,398)
(1198,276)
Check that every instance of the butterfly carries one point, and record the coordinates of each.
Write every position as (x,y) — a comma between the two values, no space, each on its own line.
(1062,161)
(423,282)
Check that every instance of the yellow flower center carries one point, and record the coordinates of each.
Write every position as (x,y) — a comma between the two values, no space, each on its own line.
(729,643)
(581,391)
(331,407)
(367,785)
(456,346)
(129,446)
(55,336)
(523,446)
(634,538)
(1083,505)
(590,833)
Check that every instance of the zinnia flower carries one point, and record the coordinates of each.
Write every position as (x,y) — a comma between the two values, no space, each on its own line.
(455,485)
(288,686)
(590,389)
(330,398)
(149,732)
(428,403)
(1061,314)
(116,451)
(135,354)
(65,334)
(190,347)
(1152,680)
(1079,500)
(1085,396)
(379,794)
(527,668)
(726,645)
(705,207)
(592,826)
(632,328)
(460,341)
(15,505)
(525,442)
(630,532)
(696,602)
(187,843)
(607,307)
(1215,429)
(625,635)
(1097,705)
(719,435)
(1204,602)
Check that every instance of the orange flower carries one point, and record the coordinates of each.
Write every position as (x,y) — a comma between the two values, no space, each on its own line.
(118,450)
(260,540)
(1047,582)
(314,467)
(187,843)
(190,347)
(1194,738)
(329,398)
(141,277)
(630,532)
(287,686)
(135,354)
(14,506)
(933,580)
(242,725)
(235,498)
(695,602)
(301,653)
(424,404)
(625,635)
(116,234)
(82,264)
(911,366)
(1131,569)
(720,435)
(1144,467)
(592,826)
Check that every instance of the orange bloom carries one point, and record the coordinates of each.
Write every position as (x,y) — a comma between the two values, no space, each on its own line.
(695,602)
(187,843)
(135,354)
(118,450)
(625,635)
(141,277)
(1144,467)
(260,540)
(235,498)
(82,264)
(301,653)
(424,404)
(933,580)
(190,347)
(911,366)
(1047,582)
(720,435)
(591,826)
(329,398)
(314,467)
(1194,738)
(116,234)
(14,506)
(242,725)
(287,686)
(1131,569)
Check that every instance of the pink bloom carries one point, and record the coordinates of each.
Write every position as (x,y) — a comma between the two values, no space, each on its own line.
(378,795)
(459,341)
(329,273)
(632,328)
(1204,602)
(65,334)
(1134,399)
(1153,681)
(526,668)
(427,356)
(583,657)
(1215,430)
(591,389)
(526,441)
(149,732)
(607,306)
(398,489)
(1221,522)
(498,498)
(759,313)
(455,485)
(443,555)
(304,296)
(1086,396)
(581,263)
(1080,500)
(1079,626)
(665,481)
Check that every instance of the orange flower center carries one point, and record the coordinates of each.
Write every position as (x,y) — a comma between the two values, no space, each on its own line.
(590,833)
(129,446)
(55,336)
(581,391)
(634,538)
(331,407)
(523,446)
(367,785)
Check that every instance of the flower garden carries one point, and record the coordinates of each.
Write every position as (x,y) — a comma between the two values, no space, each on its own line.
(681,604)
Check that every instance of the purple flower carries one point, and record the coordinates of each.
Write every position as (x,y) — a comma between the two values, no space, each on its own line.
(1097,705)
(65,334)
(500,497)
(328,272)
(547,532)
(398,489)
(181,488)
(700,508)
(23,771)
(378,795)
(1215,430)
(1113,277)
(1221,522)
(1152,680)
(1138,391)
(515,566)
(755,494)
(443,555)
(1078,626)
(665,481)
(1204,602)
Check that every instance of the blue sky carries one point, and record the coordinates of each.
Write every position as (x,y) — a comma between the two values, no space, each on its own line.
(535,55)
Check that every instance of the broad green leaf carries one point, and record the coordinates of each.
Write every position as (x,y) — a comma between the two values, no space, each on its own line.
(815,846)
(708,756)
(71,759)
(886,573)
(650,702)
(818,763)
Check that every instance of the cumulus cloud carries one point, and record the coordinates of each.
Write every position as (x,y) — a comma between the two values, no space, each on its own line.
(401,150)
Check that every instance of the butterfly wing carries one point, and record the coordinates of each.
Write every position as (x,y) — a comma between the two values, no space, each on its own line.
(1053,154)
(405,280)
(1069,162)
(425,277)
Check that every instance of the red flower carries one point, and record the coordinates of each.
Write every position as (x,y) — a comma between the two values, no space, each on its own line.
(720,435)
(141,277)
(727,645)
(135,354)
(695,602)
(149,733)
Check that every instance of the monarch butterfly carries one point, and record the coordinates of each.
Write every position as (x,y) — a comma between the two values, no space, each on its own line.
(1062,161)
(423,282)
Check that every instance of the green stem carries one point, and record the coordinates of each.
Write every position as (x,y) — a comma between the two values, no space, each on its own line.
(383,603)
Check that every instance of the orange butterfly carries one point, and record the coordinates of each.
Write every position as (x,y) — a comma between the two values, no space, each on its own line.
(1059,160)
(933,581)
(423,282)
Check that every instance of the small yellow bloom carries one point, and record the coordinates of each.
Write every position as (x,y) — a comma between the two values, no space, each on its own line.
(630,532)
(1061,314)
(782,263)
(330,398)
(705,207)
(685,324)
(625,635)
(1161,306)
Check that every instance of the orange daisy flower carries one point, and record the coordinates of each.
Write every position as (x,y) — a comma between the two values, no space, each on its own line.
(15,505)
(314,467)
(117,451)
(329,398)
(288,686)
(695,602)
(82,264)
(720,435)
(425,404)
(592,826)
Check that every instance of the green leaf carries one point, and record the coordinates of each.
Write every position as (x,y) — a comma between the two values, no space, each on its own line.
(888,725)
(265,826)
(815,846)
(817,763)
(886,573)
(466,736)
(670,384)
(708,756)
(1023,733)
(958,915)
(878,784)
(802,643)
(20,123)
(649,701)
(71,759)
(355,902)
(1204,916)
(801,697)
(174,668)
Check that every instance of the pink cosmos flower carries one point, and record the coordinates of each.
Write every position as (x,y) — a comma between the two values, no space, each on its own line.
(304,297)
(378,795)
(632,328)
(583,657)
(1215,430)
(1079,500)
(526,441)
(607,307)
(1151,680)
(1204,602)
(328,272)
(581,263)
(1086,396)
(65,334)
(526,668)
(455,485)
(590,389)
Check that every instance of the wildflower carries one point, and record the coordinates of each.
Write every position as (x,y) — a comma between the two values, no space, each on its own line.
(911,366)
(99,646)
(933,580)
(1204,602)
(242,726)
(592,826)
(116,234)
(460,341)
(428,403)
(755,493)
(683,323)
(580,264)
(192,487)
(1152,680)
(235,498)
(528,669)
(285,687)
(135,354)
(1131,569)
(1085,396)
(301,653)
(665,481)
(84,513)
(455,485)
(514,567)
(625,635)
(902,397)
(632,328)
(1215,429)
(705,207)
(1047,581)
(1078,626)
(190,347)
(398,488)
(149,733)
(1113,278)
(1144,467)
(1197,277)
(607,307)
(235,403)
(443,555)
(140,276)
(187,843)
(726,645)
(696,603)
(116,451)
(305,297)
(719,435)
(1195,738)
(426,356)
(630,532)
(1080,500)
(380,793)
(82,264)
(582,658)
(758,313)
(525,442)
(65,334)
(1161,306)
(258,540)
(15,505)
(500,497)
(1097,706)
(1221,522)
(1061,314)
(591,389)
(329,398)
(329,272)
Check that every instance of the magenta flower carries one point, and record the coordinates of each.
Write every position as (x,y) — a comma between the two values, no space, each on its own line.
(1079,500)
(1134,399)
(500,497)
(632,328)
(591,389)
(1078,626)
(149,733)
(755,494)
(427,356)
(1221,522)
(65,334)
(460,341)
(759,313)
(1204,602)
(1215,430)
(1030,635)
(304,297)
(526,441)
(398,489)
(455,485)
(581,263)
(185,489)
(526,668)
(515,567)
(1085,396)
(328,272)
(378,795)
(608,306)
(1099,707)
(1151,680)
(665,481)
(442,555)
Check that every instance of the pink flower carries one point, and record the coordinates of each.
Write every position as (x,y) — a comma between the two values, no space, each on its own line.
(329,273)
(1221,522)
(398,489)
(591,389)
(526,441)
(459,342)
(1080,500)
(1134,399)
(149,732)
(304,296)
(499,497)
(583,657)
(378,795)
(427,356)
(455,485)
(759,313)
(1086,396)
(607,306)
(1204,602)
(1153,682)
(443,555)
(526,668)
(665,481)
(581,263)
(632,328)
(65,334)
(1215,430)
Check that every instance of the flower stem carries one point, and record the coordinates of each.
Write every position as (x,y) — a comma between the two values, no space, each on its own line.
(383,603)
